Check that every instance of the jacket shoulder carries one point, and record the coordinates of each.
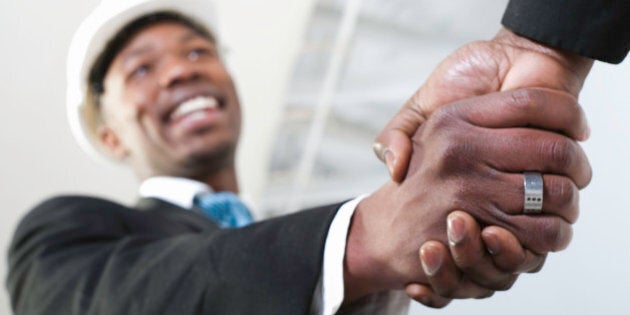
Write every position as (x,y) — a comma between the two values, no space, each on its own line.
(76,202)
(64,209)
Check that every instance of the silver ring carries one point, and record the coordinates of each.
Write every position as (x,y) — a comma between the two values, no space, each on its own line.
(533,184)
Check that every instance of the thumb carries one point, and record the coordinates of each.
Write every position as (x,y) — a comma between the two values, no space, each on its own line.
(470,71)
(393,144)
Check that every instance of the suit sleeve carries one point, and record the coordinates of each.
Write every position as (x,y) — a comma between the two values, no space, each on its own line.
(598,29)
(70,256)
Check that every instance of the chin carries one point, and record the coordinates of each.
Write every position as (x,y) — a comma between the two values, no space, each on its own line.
(213,158)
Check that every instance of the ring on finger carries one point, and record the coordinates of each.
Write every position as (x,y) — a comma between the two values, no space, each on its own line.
(533,192)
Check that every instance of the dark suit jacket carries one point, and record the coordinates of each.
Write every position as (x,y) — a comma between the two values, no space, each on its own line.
(599,29)
(82,255)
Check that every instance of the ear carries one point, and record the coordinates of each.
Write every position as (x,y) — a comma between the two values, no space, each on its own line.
(112,143)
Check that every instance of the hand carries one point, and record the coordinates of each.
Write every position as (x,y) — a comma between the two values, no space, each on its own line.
(469,156)
(469,270)
(506,62)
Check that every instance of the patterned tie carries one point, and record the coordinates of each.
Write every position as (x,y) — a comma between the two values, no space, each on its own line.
(224,208)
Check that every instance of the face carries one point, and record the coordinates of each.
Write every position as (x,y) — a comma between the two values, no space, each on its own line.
(169,105)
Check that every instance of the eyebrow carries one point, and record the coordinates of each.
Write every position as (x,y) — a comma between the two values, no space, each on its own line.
(187,37)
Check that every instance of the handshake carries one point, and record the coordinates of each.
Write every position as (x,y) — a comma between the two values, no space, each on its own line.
(486,171)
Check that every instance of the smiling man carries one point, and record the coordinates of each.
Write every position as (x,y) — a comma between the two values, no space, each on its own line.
(150,89)
(159,114)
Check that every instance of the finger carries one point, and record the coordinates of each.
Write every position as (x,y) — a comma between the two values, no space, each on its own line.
(396,152)
(539,233)
(424,295)
(560,195)
(470,255)
(444,276)
(519,149)
(534,107)
(507,252)
(393,144)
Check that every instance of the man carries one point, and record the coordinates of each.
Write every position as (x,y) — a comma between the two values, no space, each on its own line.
(167,106)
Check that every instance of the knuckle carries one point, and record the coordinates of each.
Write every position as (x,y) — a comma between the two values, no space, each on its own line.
(564,195)
(558,234)
(456,153)
(561,189)
(560,153)
(525,100)
(445,117)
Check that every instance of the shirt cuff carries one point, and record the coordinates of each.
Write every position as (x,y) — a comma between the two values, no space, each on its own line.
(329,293)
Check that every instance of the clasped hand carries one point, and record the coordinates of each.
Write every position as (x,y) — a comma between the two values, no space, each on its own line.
(469,155)
(459,164)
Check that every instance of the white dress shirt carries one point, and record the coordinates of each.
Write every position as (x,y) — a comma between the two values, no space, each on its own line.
(328,296)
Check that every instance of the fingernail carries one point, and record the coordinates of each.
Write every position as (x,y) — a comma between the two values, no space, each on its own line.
(456,230)
(492,245)
(378,150)
(390,160)
(430,263)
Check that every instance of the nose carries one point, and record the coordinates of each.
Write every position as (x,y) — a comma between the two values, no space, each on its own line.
(177,70)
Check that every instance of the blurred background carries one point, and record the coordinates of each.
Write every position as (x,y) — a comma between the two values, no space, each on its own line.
(318,79)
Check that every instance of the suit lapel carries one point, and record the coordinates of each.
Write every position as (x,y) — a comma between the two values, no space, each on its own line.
(191,217)
(152,204)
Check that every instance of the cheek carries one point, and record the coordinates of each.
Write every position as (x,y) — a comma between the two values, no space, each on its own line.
(140,99)
(127,121)
(130,98)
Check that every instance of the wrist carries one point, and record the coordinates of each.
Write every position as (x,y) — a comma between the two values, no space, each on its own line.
(555,63)
(358,263)
(580,65)
(374,258)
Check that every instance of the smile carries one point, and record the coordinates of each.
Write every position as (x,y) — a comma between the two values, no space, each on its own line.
(195,107)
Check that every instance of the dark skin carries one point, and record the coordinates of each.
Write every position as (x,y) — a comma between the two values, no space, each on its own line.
(166,64)
(470,155)
(146,81)
(506,62)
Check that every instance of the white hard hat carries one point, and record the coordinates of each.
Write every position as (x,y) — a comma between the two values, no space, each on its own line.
(109,17)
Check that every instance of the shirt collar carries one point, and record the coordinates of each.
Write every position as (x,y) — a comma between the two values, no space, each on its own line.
(176,190)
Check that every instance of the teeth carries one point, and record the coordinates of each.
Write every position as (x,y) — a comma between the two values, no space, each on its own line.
(195,104)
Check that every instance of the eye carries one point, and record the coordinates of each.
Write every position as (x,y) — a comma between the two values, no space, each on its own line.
(140,71)
(196,53)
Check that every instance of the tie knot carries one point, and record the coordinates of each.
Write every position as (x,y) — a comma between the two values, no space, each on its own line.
(225,208)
